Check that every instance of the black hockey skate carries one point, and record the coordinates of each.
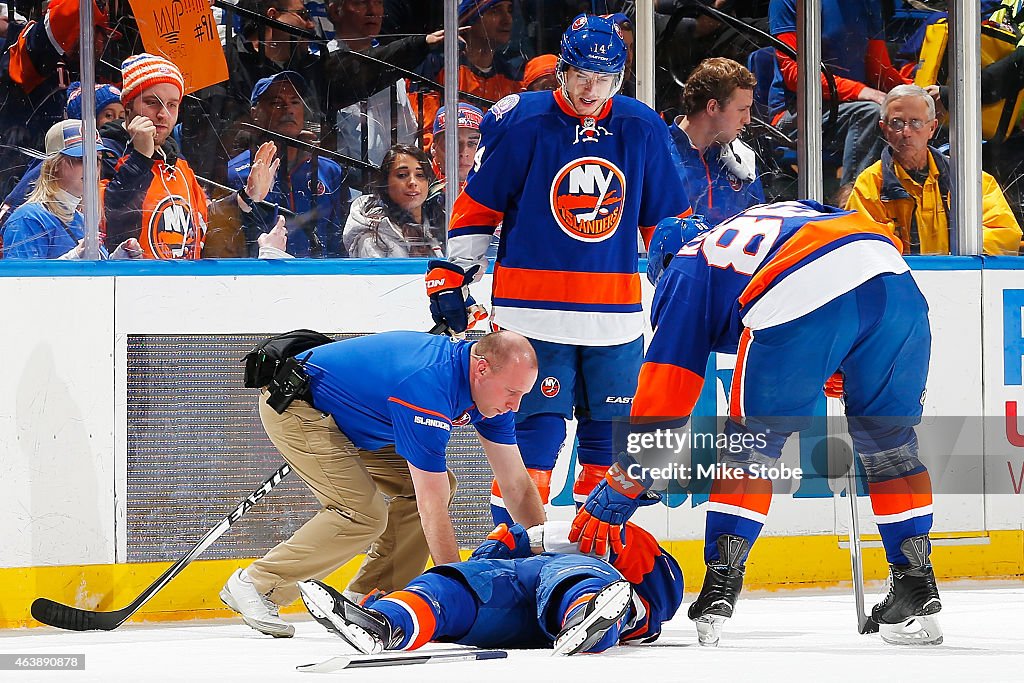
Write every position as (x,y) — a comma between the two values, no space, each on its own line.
(906,615)
(723,582)
(588,625)
(364,629)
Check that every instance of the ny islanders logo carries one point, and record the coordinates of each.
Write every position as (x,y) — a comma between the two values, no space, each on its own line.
(586,198)
(170,231)
(462,420)
(549,386)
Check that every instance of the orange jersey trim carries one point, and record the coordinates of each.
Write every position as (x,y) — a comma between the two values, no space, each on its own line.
(812,236)
(736,394)
(566,286)
(467,212)
(666,390)
(20,67)
(422,410)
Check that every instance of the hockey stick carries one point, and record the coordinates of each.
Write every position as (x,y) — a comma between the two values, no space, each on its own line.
(400,659)
(865,624)
(75,619)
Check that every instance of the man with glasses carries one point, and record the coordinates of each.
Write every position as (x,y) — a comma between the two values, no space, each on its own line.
(909,188)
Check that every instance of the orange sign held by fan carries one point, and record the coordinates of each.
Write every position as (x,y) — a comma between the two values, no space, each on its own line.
(183,31)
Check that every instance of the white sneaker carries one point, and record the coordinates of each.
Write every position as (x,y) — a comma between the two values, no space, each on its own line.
(257,610)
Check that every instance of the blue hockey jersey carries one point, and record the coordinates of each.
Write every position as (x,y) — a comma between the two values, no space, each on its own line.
(570,193)
(766,266)
(407,389)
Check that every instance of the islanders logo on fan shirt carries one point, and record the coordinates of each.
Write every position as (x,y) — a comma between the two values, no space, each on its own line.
(586,198)
(170,232)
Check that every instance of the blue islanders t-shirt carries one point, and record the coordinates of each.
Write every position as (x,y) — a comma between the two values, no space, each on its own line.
(402,388)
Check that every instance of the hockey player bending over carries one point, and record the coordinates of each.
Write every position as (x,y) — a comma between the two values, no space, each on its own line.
(798,291)
(518,590)
(572,176)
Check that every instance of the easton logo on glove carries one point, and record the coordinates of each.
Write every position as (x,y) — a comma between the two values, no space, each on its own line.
(445,283)
(598,525)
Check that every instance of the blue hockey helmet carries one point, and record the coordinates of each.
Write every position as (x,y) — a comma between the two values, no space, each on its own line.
(593,43)
(668,238)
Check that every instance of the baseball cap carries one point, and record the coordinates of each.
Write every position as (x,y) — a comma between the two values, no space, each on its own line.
(469,117)
(262,85)
(65,137)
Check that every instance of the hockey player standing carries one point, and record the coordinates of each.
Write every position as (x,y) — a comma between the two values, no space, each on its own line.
(797,291)
(571,175)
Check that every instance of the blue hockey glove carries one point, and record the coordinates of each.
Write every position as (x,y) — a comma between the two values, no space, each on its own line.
(448,304)
(504,543)
(598,526)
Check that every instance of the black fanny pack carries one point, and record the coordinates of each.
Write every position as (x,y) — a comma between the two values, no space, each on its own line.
(273,364)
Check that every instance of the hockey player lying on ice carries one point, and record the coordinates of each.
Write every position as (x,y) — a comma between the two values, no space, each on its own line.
(798,291)
(520,589)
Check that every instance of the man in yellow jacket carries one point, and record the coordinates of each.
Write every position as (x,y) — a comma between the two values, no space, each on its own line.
(909,189)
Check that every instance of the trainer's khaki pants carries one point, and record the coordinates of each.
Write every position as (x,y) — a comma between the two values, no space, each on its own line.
(351,484)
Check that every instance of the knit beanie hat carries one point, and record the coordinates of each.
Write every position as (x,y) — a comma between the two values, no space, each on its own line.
(105,94)
(144,71)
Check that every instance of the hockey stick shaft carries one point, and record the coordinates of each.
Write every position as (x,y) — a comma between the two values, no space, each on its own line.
(836,415)
(401,659)
(75,619)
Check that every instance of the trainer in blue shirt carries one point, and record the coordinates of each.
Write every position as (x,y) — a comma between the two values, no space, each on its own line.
(375,422)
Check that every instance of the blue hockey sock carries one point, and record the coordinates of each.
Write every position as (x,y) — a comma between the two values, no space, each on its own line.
(433,606)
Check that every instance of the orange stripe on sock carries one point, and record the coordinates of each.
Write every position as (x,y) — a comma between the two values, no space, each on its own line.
(423,616)
(900,495)
(541,478)
(590,477)
(750,493)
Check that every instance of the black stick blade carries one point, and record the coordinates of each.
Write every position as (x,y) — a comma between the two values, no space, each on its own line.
(73,619)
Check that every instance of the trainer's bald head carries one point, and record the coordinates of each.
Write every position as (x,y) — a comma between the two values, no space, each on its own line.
(506,349)
(503,369)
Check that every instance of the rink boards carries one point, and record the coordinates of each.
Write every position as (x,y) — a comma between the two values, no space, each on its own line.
(106,467)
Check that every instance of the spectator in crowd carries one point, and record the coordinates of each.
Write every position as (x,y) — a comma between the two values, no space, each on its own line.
(909,189)
(49,224)
(367,129)
(484,68)
(210,134)
(41,57)
(717,168)
(394,217)
(278,105)
(469,141)
(853,47)
(540,73)
(154,195)
(108,109)
(108,103)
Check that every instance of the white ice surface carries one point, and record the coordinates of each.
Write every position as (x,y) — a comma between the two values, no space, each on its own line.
(773,637)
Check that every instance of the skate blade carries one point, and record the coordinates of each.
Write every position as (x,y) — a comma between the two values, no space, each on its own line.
(320,605)
(914,631)
(610,604)
(709,629)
